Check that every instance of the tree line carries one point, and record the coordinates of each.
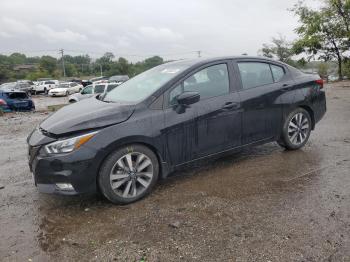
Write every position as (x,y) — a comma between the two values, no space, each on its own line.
(323,34)
(75,66)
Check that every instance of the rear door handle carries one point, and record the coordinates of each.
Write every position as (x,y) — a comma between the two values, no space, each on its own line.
(230,106)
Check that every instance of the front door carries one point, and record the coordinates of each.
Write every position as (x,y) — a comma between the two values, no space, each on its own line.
(209,126)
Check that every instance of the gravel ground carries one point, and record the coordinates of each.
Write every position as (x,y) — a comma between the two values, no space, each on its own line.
(263,204)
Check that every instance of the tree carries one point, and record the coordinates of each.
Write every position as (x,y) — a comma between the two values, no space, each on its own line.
(48,63)
(280,49)
(321,34)
(17,58)
(323,70)
(152,62)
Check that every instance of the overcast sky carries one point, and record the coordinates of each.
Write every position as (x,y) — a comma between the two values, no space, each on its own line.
(139,28)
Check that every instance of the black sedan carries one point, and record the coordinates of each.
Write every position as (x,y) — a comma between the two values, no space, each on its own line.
(122,142)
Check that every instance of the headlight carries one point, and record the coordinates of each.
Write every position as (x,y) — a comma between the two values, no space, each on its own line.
(68,145)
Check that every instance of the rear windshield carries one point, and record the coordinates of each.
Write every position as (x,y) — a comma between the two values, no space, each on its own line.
(17,95)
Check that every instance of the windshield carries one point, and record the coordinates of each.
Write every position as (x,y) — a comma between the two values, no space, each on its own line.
(143,85)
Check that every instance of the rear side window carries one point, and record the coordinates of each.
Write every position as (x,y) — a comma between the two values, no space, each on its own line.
(277,72)
(255,74)
(99,89)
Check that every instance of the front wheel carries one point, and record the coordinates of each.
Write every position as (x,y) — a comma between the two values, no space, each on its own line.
(296,130)
(128,174)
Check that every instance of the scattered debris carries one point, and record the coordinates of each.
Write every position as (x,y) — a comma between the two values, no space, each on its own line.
(175,224)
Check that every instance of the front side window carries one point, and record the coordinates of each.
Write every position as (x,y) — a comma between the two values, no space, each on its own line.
(209,82)
(255,74)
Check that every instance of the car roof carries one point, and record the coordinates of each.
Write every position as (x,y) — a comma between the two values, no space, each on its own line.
(199,61)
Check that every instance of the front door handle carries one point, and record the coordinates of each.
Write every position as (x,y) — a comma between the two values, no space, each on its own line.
(230,106)
(286,87)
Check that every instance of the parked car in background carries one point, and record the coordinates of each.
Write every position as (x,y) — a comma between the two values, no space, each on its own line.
(118,79)
(174,114)
(91,90)
(65,89)
(99,78)
(15,100)
(20,85)
(25,85)
(45,86)
(86,82)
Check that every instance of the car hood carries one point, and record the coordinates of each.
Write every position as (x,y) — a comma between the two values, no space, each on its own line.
(87,114)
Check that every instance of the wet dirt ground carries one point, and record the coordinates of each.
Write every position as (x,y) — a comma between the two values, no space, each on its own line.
(263,204)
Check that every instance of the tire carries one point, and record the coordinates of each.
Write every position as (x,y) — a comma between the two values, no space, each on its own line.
(117,181)
(45,91)
(67,93)
(296,130)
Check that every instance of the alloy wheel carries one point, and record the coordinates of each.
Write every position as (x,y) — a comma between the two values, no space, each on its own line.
(298,129)
(131,175)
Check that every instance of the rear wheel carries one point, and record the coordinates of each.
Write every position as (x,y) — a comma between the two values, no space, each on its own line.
(128,174)
(296,130)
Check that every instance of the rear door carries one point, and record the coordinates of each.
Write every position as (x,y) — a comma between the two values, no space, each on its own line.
(261,90)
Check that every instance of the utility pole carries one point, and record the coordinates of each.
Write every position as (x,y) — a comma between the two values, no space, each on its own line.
(101,69)
(199,53)
(63,67)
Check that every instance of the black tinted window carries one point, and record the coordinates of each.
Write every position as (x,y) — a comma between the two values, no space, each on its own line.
(99,89)
(111,87)
(255,74)
(17,95)
(277,72)
(209,82)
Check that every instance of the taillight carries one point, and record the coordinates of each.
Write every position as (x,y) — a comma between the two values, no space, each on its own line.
(319,82)
(3,102)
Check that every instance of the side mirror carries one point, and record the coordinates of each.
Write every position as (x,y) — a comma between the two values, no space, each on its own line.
(188,98)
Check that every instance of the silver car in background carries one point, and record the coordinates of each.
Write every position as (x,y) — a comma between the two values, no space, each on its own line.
(92,90)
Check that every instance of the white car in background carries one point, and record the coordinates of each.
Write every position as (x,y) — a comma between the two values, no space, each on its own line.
(44,86)
(91,90)
(65,89)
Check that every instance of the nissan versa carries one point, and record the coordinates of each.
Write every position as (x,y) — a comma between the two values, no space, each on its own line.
(120,143)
